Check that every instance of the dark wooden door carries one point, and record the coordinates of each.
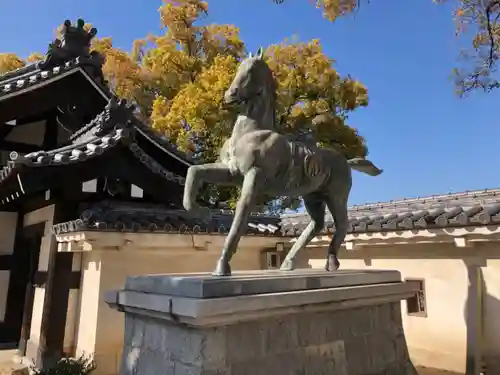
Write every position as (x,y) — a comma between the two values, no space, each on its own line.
(22,267)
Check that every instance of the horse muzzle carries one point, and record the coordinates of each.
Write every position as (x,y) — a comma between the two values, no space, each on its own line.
(231,99)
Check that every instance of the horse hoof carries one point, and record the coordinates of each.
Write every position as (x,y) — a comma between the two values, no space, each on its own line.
(332,264)
(222,269)
(287,265)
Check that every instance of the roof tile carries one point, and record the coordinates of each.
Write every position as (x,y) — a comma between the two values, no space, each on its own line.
(462,209)
(128,217)
(34,74)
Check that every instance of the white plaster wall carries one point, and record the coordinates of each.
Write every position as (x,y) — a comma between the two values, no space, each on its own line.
(101,329)
(439,340)
(90,292)
(8,224)
(4,288)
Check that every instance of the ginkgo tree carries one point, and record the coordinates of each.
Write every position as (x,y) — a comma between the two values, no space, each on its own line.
(205,59)
(10,61)
(178,80)
(313,99)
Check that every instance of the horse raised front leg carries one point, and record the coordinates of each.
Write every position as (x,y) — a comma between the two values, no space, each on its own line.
(315,207)
(250,190)
(216,173)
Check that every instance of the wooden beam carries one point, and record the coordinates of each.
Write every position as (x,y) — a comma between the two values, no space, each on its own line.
(5,130)
(462,242)
(40,279)
(51,130)
(156,242)
(350,245)
(6,262)
(31,119)
(26,257)
(18,146)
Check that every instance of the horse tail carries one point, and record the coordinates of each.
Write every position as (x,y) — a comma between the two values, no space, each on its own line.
(364,166)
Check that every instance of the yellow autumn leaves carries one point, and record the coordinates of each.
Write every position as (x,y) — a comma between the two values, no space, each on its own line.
(178,79)
(197,104)
(308,87)
(332,9)
(9,61)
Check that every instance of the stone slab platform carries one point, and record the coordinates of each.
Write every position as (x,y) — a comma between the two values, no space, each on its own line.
(204,286)
(203,300)
(265,322)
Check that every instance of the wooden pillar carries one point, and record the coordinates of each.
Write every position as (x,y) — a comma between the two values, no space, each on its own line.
(64,280)
(51,132)
(29,242)
(60,280)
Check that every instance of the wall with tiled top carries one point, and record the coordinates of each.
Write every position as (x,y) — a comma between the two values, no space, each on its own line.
(439,339)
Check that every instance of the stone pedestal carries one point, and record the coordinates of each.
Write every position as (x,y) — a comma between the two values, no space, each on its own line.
(265,323)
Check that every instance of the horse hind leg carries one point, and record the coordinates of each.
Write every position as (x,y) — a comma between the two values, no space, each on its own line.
(315,207)
(338,208)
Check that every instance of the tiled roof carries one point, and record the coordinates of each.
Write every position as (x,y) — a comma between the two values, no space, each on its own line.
(33,75)
(22,71)
(452,210)
(116,125)
(474,208)
(128,217)
(95,128)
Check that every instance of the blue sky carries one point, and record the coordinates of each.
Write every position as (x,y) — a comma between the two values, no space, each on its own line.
(427,140)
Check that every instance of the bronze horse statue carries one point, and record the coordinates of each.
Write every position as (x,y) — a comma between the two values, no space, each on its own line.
(260,160)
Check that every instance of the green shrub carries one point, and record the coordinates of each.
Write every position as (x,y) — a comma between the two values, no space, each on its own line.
(83,365)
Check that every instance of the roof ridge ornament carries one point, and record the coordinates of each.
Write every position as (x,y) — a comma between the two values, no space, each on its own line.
(75,43)
(118,112)
(76,39)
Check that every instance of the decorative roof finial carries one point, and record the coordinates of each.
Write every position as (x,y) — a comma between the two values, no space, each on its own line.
(75,40)
(75,43)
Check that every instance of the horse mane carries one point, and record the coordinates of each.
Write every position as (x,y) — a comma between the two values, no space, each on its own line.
(272,85)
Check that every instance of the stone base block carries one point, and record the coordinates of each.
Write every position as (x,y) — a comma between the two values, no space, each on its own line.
(303,329)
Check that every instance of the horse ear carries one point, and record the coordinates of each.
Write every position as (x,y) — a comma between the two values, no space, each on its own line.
(260,53)
(250,55)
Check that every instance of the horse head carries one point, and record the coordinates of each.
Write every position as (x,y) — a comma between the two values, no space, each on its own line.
(253,79)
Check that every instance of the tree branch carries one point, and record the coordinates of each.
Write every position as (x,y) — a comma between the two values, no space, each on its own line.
(489,28)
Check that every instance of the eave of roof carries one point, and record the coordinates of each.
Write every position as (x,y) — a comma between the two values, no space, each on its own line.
(453,216)
(36,78)
(140,217)
(145,130)
(473,208)
(115,126)
(32,76)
